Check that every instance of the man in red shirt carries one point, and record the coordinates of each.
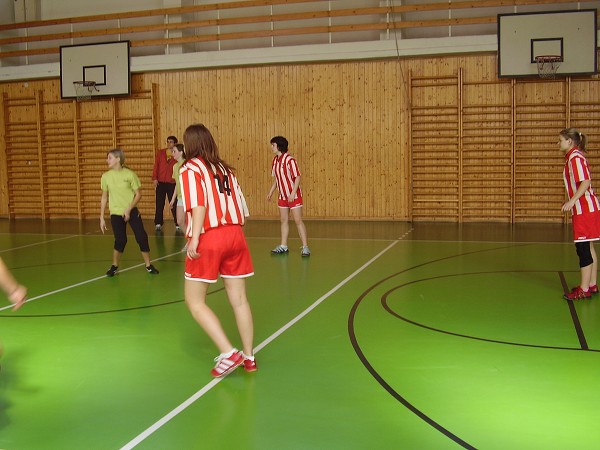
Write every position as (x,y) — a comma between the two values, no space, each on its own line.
(162,177)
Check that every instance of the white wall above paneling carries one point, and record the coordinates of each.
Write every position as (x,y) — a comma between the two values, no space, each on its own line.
(60,9)
(280,55)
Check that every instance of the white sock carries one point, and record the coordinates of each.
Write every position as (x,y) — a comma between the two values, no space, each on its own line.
(227,355)
(251,358)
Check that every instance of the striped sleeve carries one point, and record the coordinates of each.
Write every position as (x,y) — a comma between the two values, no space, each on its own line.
(214,188)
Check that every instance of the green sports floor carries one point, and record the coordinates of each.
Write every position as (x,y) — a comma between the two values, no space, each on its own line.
(390,336)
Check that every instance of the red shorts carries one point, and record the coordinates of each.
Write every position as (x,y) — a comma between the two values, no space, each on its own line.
(586,227)
(295,204)
(223,251)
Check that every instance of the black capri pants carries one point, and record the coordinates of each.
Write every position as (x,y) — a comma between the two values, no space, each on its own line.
(120,231)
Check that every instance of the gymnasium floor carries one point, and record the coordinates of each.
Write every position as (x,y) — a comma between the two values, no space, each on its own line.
(390,336)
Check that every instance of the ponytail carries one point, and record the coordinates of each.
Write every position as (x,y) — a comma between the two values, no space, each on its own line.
(578,138)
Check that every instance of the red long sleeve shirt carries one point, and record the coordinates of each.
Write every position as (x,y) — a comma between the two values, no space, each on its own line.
(163,167)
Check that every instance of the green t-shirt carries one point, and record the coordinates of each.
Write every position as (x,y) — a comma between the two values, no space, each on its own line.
(176,168)
(121,186)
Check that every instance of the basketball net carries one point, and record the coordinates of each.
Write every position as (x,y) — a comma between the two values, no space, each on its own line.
(548,65)
(84,89)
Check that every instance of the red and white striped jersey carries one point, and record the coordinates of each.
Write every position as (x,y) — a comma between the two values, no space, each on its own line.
(215,189)
(577,170)
(285,170)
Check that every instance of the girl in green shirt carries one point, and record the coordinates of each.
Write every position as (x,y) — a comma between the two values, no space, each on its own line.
(121,190)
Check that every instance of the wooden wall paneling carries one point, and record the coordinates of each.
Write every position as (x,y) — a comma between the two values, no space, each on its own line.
(3,157)
(392,203)
(154,98)
(95,135)
(334,201)
(155,115)
(360,154)
(585,116)
(435,148)
(60,175)
(301,133)
(459,95)
(242,146)
(40,155)
(134,133)
(362,133)
(541,112)
(328,174)
(513,146)
(386,172)
(78,160)
(22,157)
(318,151)
(487,152)
(278,115)
(409,120)
(360,107)
(376,177)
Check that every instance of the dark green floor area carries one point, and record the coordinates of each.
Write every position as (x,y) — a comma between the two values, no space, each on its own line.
(391,335)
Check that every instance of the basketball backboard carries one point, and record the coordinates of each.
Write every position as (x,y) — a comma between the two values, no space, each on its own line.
(107,64)
(568,34)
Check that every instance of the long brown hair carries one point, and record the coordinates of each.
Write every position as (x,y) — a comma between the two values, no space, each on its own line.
(578,138)
(199,143)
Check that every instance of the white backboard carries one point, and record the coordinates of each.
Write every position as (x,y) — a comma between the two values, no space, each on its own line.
(568,34)
(106,63)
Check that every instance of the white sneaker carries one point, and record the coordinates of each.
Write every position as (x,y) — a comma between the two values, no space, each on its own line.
(279,250)
(158,227)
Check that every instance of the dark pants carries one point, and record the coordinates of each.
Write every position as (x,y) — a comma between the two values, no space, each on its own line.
(119,227)
(164,190)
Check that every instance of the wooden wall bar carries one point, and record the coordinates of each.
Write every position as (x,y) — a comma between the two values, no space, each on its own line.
(414,139)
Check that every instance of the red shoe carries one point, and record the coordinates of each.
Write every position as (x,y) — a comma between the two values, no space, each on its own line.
(226,364)
(594,289)
(577,294)
(250,364)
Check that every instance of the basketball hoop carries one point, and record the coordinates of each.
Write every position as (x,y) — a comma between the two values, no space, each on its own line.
(547,65)
(84,89)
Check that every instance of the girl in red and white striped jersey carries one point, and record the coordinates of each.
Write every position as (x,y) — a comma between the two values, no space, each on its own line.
(216,210)
(284,169)
(585,207)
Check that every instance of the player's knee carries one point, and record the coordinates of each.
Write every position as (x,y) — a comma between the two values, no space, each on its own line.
(120,245)
(144,245)
(585,254)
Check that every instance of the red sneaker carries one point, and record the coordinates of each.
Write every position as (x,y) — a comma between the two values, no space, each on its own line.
(577,294)
(250,364)
(226,364)
(594,289)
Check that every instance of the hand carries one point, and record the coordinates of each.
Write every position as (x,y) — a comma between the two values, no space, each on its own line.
(103,227)
(126,215)
(269,195)
(192,248)
(568,206)
(155,183)
(18,297)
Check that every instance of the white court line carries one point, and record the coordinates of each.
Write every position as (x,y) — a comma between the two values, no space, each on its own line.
(38,243)
(142,436)
(91,280)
